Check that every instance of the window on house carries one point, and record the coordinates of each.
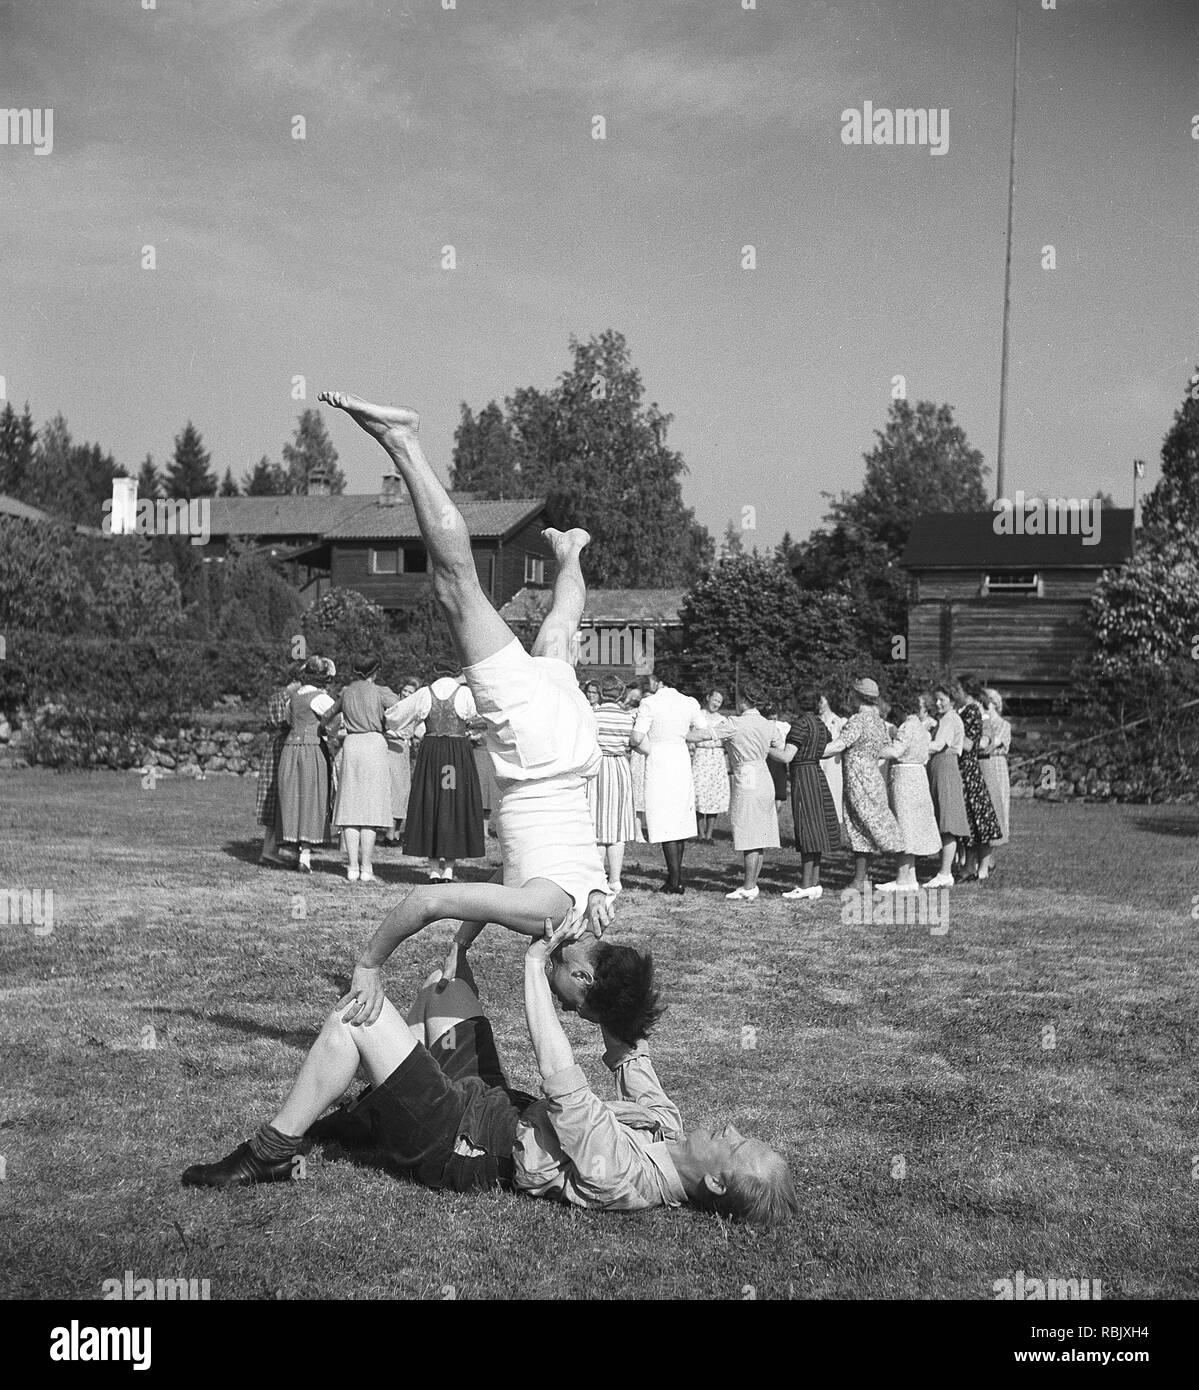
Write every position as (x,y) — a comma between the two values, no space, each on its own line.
(415,559)
(1012,582)
(385,561)
(534,569)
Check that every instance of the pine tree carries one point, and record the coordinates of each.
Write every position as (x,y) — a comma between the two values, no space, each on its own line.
(1172,508)
(228,486)
(311,447)
(189,473)
(265,479)
(149,479)
(18,451)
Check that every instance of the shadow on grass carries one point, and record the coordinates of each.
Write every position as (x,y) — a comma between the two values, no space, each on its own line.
(302,1041)
(1168,825)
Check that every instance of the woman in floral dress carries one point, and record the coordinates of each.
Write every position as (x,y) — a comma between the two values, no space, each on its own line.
(710,769)
(871,827)
(984,824)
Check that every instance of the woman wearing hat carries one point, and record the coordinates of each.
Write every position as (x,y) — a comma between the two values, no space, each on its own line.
(612,794)
(871,827)
(303,768)
(993,759)
(363,804)
(945,784)
(445,809)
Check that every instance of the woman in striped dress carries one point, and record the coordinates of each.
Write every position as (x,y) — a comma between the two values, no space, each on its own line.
(817,828)
(266,800)
(710,769)
(611,790)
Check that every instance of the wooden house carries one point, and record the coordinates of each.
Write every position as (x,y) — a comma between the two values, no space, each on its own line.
(1008,608)
(619,633)
(372,543)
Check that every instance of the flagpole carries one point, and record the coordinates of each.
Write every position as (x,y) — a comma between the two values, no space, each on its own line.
(1138,471)
(1007,270)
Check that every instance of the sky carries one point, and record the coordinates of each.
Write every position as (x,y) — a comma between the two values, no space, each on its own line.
(473,127)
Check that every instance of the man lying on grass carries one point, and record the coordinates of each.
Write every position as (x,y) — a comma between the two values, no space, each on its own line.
(441,1112)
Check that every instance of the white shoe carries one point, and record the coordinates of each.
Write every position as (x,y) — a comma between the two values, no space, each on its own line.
(365,877)
(940,881)
(796,893)
(746,895)
(434,877)
(352,874)
(304,863)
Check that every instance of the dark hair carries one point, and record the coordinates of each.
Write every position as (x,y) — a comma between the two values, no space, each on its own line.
(903,707)
(365,665)
(807,699)
(768,709)
(941,688)
(974,689)
(622,996)
(413,681)
(716,690)
(750,696)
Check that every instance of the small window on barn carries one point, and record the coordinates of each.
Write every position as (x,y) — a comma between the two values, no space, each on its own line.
(534,569)
(385,561)
(416,559)
(1012,582)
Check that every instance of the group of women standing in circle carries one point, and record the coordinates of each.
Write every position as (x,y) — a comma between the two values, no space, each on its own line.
(933,783)
(310,792)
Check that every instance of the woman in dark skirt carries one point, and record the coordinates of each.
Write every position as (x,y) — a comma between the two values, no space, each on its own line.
(984,823)
(945,784)
(445,808)
(817,829)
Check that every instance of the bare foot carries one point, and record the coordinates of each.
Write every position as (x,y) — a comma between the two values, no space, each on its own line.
(387,423)
(566,543)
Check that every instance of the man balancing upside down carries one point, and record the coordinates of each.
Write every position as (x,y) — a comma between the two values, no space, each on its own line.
(542,742)
(441,1113)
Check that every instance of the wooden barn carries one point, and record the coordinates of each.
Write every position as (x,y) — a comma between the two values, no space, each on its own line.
(620,631)
(1008,608)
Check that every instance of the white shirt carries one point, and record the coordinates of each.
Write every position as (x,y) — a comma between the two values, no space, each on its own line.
(408,713)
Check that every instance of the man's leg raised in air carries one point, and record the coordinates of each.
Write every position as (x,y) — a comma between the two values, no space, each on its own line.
(478,630)
(561,624)
(325,1076)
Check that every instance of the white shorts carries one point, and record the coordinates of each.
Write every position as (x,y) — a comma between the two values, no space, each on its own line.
(539,724)
(542,744)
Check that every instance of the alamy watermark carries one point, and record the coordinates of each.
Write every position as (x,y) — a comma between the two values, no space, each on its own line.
(126,515)
(131,1288)
(23,126)
(1024,1287)
(28,907)
(916,907)
(882,125)
(1049,516)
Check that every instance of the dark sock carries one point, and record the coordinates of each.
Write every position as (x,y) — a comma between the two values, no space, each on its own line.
(270,1146)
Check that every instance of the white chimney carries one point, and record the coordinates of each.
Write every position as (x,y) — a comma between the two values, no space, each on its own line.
(391,496)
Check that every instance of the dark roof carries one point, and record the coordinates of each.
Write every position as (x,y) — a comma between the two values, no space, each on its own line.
(605,607)
(12,506)
(358,515)
(484,520)
(968,540)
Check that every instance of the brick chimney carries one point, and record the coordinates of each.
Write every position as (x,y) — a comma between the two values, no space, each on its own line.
(392,494)
(318,481)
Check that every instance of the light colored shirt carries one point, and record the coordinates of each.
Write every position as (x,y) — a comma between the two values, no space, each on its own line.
(609,1156)
(405,715)
(667,714)
(951,734)
(910,742)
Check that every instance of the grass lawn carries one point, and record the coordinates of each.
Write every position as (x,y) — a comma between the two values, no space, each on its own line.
(1018,1093)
